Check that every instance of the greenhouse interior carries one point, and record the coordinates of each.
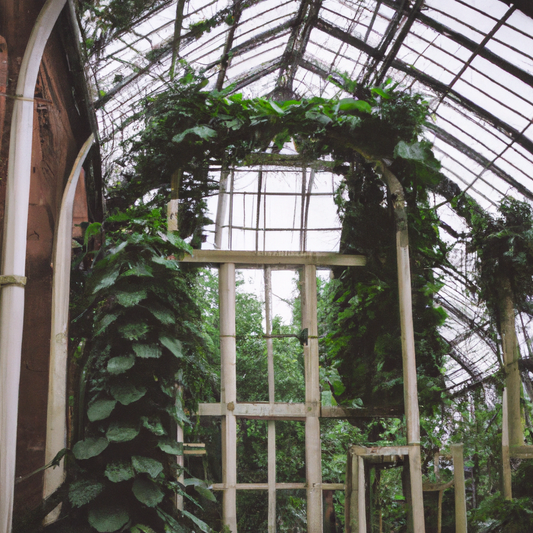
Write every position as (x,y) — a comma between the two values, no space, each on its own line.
(267,266)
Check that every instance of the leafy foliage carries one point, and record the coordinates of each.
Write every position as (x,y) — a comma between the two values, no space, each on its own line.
(136,314)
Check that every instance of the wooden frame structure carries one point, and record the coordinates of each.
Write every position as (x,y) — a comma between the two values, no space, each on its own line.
(355,506)
(309,412)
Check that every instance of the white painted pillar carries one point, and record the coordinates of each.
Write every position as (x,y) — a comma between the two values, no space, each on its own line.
(228,393)
(14,252)
(56,420)
(313,454)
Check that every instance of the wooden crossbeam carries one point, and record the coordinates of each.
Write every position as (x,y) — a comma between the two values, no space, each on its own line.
(293,411)
(279,486)
(246,259)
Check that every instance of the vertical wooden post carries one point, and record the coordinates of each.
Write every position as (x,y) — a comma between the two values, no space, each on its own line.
(313,458)
(436,468)
(361,505)
(459,484)
(507,488)
(222,208)
(412,415)
(271,399)
(349,490)
(228,393)
(172,206)
(513,382)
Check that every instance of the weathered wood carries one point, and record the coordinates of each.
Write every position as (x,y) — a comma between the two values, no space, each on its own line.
(313,457)
(364,451)
(361,506)
(244,259)
(459,484)
(337,411)
(279,486)
(434,487)
(507,487)
(521,452)
(276,411)
(293,411)
(271,398)
(513,382)
(412,415)
(228,393)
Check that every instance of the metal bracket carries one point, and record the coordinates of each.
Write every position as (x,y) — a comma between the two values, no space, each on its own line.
(13,280)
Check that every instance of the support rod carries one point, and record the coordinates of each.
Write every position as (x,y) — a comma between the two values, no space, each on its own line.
(14,251)
(57,379)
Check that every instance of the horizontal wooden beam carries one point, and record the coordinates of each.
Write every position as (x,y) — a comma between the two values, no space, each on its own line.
(522,452)
(435,487)
(293,411)
(248,259)
(338,411)
(279,486)
(379,451)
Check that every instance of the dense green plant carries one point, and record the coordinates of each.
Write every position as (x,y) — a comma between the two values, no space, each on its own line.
(143,366)
(504,247)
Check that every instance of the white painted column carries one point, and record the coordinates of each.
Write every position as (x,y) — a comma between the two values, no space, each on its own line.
(14,252)
(228,393)
(56,419)
(313,454)
(271,400)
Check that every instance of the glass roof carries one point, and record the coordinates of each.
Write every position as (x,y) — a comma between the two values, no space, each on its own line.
(472,59)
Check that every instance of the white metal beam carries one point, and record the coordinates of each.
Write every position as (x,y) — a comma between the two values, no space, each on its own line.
(14,251)
(57,379)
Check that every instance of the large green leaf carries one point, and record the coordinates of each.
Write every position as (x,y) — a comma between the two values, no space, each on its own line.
(147,351)
(350,104)
(106,518)
(122,431)
(200,523)
(118,471)
(91,447)
(164,315)
(100,409)
(146,465)
(134,331)
(104,279)
(204,132)
(174,345)
(140,270)
(126,392)
(170,446)
(205,492)
(83,491)
(171,524)
(129,299)
(147,492)
(104,322)
(154,425)
(120,364)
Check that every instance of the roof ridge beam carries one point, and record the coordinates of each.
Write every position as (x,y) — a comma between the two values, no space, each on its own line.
(294,51)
